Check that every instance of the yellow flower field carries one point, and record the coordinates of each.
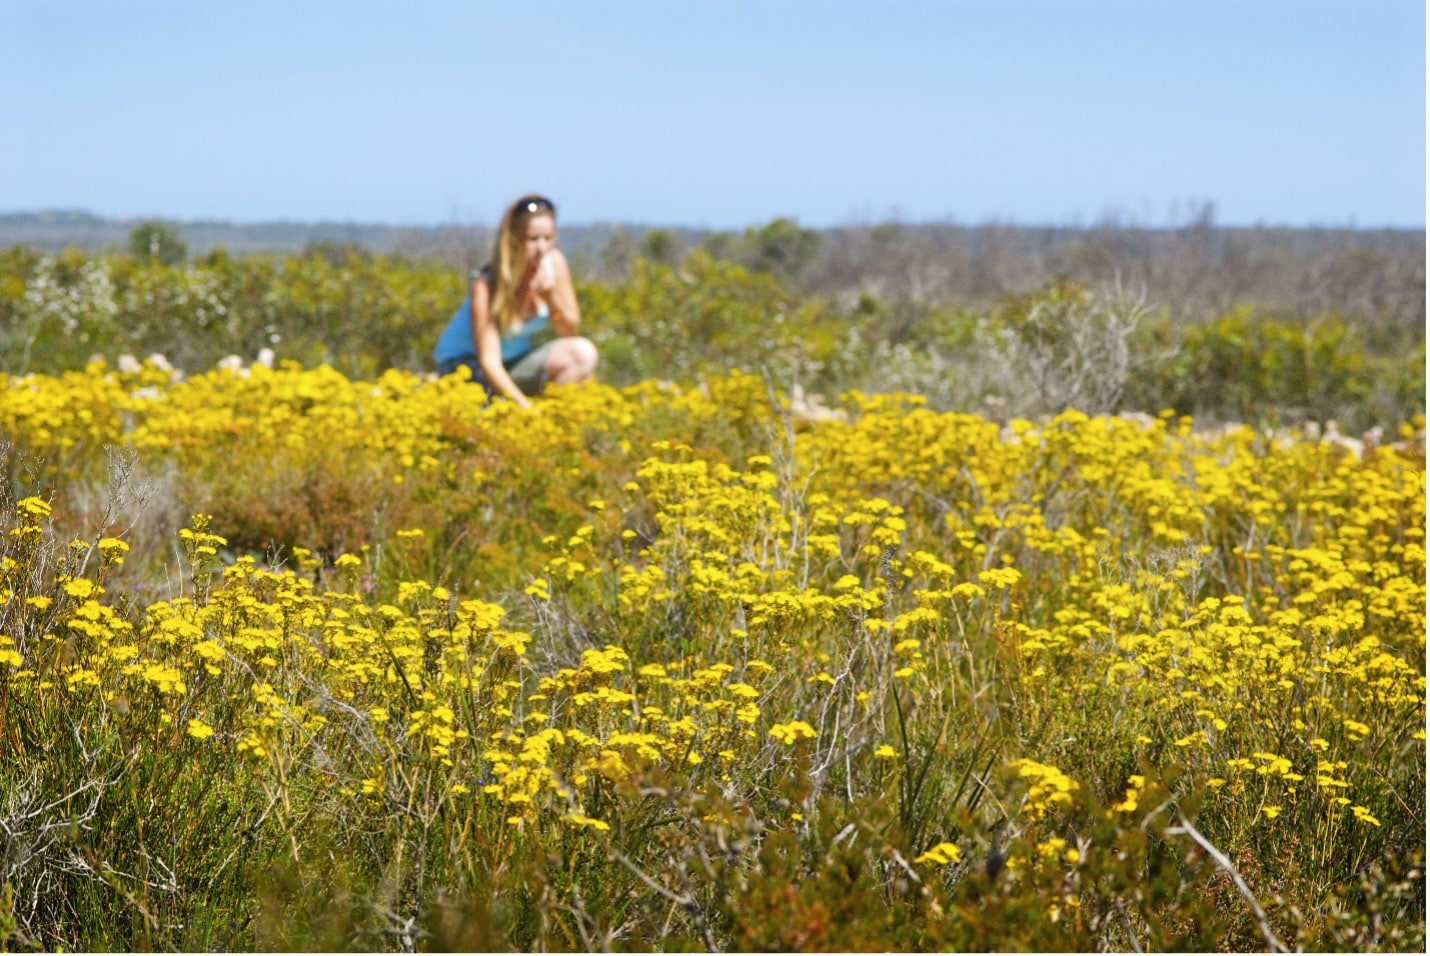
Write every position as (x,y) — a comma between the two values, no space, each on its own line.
(291,660)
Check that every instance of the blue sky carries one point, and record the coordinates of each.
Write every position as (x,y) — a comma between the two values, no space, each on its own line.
(718,113)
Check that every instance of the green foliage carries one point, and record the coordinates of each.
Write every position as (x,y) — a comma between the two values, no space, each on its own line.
(779,248)
(660,245)
(1242,367)
(708,314)
(357,312)
(157,242)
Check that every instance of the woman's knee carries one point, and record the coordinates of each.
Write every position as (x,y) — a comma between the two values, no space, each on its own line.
(572,359)
(586,354)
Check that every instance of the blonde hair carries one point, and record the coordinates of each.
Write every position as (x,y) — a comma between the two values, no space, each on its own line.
(509,257)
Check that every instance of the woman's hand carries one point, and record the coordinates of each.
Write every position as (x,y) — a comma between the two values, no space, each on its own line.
(543,278)
(550,280)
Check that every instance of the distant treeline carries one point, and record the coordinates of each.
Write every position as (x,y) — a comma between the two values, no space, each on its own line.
(1195,272)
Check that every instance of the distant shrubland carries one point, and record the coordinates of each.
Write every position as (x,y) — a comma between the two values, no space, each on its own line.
(1259,325)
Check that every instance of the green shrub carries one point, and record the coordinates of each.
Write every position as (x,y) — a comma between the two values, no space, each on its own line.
(707,315)
(156,242)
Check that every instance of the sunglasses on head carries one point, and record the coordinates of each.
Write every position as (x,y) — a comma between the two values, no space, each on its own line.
(536,204)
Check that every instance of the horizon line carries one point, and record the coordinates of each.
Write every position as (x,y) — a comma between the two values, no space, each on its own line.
(1110,220)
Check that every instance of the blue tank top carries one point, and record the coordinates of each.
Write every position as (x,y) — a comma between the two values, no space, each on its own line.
(456,340)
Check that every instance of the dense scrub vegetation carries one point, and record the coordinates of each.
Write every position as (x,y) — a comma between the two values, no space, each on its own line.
(326,653)
(763,303)
(292,660)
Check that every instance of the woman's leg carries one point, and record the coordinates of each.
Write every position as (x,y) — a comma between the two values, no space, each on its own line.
(572,358)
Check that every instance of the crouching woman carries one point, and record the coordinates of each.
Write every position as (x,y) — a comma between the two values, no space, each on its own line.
(524,292)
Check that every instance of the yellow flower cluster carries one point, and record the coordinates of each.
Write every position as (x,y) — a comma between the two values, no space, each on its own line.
(1048,787)
(1254,609)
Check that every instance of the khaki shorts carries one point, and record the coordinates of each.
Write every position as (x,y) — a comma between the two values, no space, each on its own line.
(529,371)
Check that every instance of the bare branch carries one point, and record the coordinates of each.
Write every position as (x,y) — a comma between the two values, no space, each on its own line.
(1226,864)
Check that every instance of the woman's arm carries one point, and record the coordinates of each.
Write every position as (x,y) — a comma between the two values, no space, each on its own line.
(488,342)
(554,285)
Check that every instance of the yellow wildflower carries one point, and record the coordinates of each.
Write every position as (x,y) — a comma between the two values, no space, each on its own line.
(940,853)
